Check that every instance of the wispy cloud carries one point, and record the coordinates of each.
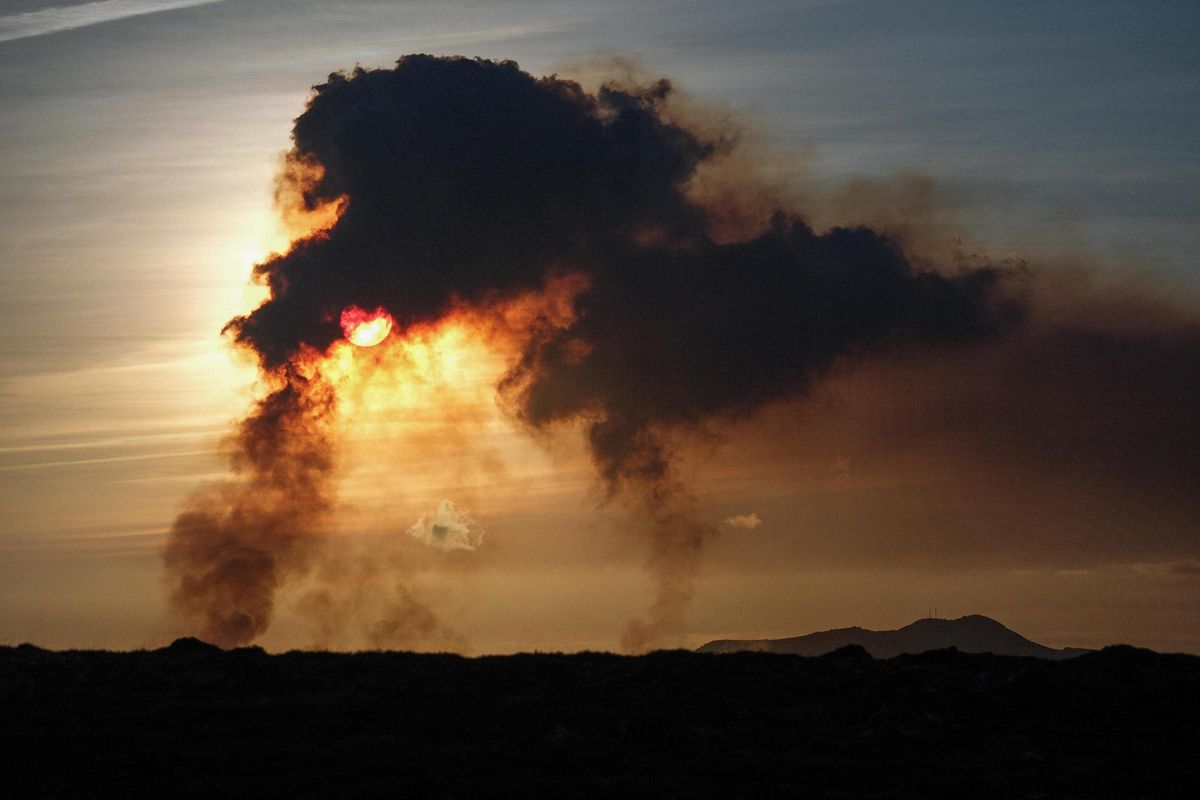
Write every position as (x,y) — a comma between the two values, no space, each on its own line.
(65,18)
(748,521)
(447,528)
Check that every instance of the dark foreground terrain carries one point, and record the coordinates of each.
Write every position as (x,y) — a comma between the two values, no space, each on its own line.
(192,721)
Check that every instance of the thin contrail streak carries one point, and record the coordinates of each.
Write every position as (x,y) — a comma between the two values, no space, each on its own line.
(59,18)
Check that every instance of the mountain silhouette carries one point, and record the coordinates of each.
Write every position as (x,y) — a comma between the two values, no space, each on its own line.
(970,634)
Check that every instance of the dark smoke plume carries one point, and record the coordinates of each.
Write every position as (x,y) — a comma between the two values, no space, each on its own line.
(469,181)
(237,543)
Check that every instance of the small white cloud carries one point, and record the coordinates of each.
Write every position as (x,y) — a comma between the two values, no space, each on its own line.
(447,528)
(748,521)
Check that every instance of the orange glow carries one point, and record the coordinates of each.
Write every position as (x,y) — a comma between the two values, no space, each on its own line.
(366,328)
(437,367)
(418,420)
(295,190)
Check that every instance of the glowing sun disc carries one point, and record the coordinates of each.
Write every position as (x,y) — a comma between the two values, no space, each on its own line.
(366,328)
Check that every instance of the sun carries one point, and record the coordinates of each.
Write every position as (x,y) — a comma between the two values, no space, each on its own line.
(366,328)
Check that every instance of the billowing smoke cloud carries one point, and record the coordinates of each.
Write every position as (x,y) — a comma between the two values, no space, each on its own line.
(463,183)
(447,528)
(468,181)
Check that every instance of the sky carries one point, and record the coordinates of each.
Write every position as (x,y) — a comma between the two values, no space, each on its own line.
(139,144)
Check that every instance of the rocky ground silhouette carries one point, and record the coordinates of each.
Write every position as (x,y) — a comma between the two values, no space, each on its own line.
(191,720)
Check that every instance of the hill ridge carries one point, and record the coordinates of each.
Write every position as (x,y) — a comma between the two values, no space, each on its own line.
(971,633)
